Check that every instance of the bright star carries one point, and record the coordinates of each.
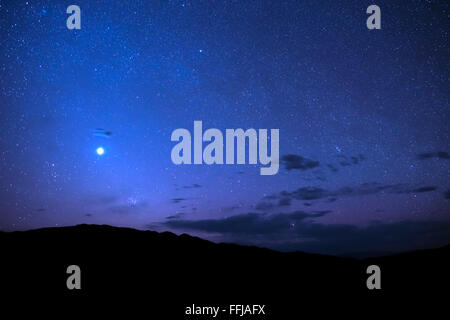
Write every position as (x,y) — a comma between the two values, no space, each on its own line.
(100,151)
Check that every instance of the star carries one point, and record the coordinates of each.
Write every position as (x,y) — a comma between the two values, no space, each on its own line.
(100,151)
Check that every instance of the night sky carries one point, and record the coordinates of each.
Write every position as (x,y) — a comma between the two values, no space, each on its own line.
(363,118)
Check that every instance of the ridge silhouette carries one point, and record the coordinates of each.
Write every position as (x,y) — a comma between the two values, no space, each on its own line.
(171,272)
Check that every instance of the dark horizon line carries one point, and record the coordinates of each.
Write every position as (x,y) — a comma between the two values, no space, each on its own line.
(360,256)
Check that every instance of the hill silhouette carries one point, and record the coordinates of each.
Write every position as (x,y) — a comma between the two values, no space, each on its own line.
(170,272)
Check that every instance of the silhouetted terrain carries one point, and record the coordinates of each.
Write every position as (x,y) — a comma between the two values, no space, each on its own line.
(163,270)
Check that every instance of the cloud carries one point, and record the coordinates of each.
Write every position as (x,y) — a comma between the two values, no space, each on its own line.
(295,162)
(284,202)
(264,206)
(102,133)
(308,193)
(323,212)
(229,209)
(346,161)
(298,231)
(333,168)
(447,194)
(192,186)
(424,189)
(433,155)
(176,216)
(377,237)
(317,193)
(249,223)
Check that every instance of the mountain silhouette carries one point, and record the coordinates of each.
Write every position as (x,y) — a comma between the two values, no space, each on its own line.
(170,272)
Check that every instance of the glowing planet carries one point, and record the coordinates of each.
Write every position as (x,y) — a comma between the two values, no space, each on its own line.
(100,151)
